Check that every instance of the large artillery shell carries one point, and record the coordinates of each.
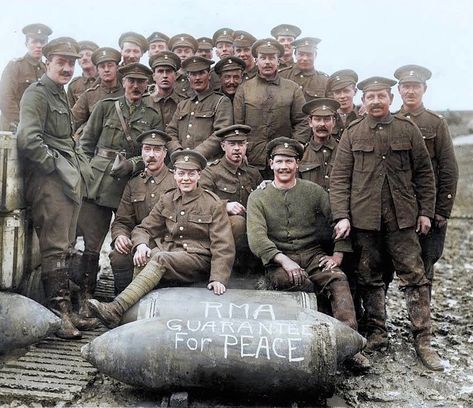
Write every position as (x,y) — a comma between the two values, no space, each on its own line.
(260,354)
(23,321)
(233,304)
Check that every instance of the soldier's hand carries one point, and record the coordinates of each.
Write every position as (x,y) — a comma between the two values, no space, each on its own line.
(121,166)
(296,274)
(217,287)
(142,255)
(328,262)
(439,221)
(235,208)
(123,244)
(423,225)
(342,229)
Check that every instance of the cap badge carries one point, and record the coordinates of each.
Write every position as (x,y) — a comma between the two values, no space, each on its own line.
(286,145)
(186,158)
(337,78)
(104,53)
(182,38)
(237,132)
(165,57)
(224,32)
(230,61)
(268,43)
(324,107)
(411,73)
(153,135)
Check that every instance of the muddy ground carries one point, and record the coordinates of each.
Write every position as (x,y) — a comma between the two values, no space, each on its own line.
(396,379)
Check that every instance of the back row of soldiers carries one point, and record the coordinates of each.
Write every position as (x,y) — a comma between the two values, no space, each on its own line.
(253,91)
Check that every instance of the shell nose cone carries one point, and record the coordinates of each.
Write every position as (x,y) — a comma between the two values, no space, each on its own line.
(85,351)
(349,342)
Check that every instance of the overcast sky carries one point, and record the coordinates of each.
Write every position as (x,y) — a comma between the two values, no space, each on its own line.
(371,37)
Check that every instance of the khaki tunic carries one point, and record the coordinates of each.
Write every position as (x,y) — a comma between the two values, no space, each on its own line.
(272,109)
(371,153)
(77,87)
(250,74)
(56,169)
(313,83)
(437,138)
(104,132)
(182,86)
(18,75)
(317,162)
(196,224)
(166,105)
(85,104)
(139,197)
(342,123)
(195,121)
(230,183)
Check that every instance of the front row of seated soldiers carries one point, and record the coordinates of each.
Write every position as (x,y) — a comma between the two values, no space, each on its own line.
(192,236)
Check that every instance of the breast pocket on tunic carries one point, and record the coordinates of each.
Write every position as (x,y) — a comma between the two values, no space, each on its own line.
(226,191)
(401,155)
(198,233)
(363,155)
(429,135)
(58,122)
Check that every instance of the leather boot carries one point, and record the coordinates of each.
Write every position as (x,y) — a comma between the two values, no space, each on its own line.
(89,269)
(374,302)
(111,313)
(343,310)
(418,308)
(56,284)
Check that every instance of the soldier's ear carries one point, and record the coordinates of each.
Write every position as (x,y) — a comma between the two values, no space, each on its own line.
(222,145)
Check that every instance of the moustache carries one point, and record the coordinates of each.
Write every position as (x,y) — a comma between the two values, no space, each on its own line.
(321,128)
(66,73)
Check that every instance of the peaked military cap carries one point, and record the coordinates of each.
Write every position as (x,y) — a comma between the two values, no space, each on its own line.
(307,44)
(183,40)
(267,46)
(196,63)
(205,43)
(376,83)
(105,54)
(287,30)
(341,79)
(87,45)
(233,132)
(154,137)
(188,159)
(223,35)
(66,46)
(321,107)
(134,38)
(412,73)
(157,36)
(165,59)
(229,64)
(286,147)
(243,39)
(135,70)
(37,31)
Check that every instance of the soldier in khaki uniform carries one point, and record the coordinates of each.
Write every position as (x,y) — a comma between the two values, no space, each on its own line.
(233,179)
(312,82)
(223,42)
(57,174)
(434,129)
(270,105)
(184,46)
(230,70)
(164,98)
(88,78)
(285,34)
(108,85)
(283,225)
(109,140)
(20,73)
(383,185)
(132,46)
(157,42)
(141,193)
(342,87)
(205,47)
(198,117)
(193,238)
(242,43)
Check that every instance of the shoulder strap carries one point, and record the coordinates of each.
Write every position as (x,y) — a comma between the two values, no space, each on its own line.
(126,130)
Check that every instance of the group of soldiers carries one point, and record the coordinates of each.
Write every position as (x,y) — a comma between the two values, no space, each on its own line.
(177,152)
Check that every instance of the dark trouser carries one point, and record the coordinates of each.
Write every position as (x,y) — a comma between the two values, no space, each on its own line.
(122,268)
(94,222)
(403,248)
(432,249)
(333,283)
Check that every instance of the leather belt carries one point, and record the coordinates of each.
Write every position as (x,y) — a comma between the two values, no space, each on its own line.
(106,153)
